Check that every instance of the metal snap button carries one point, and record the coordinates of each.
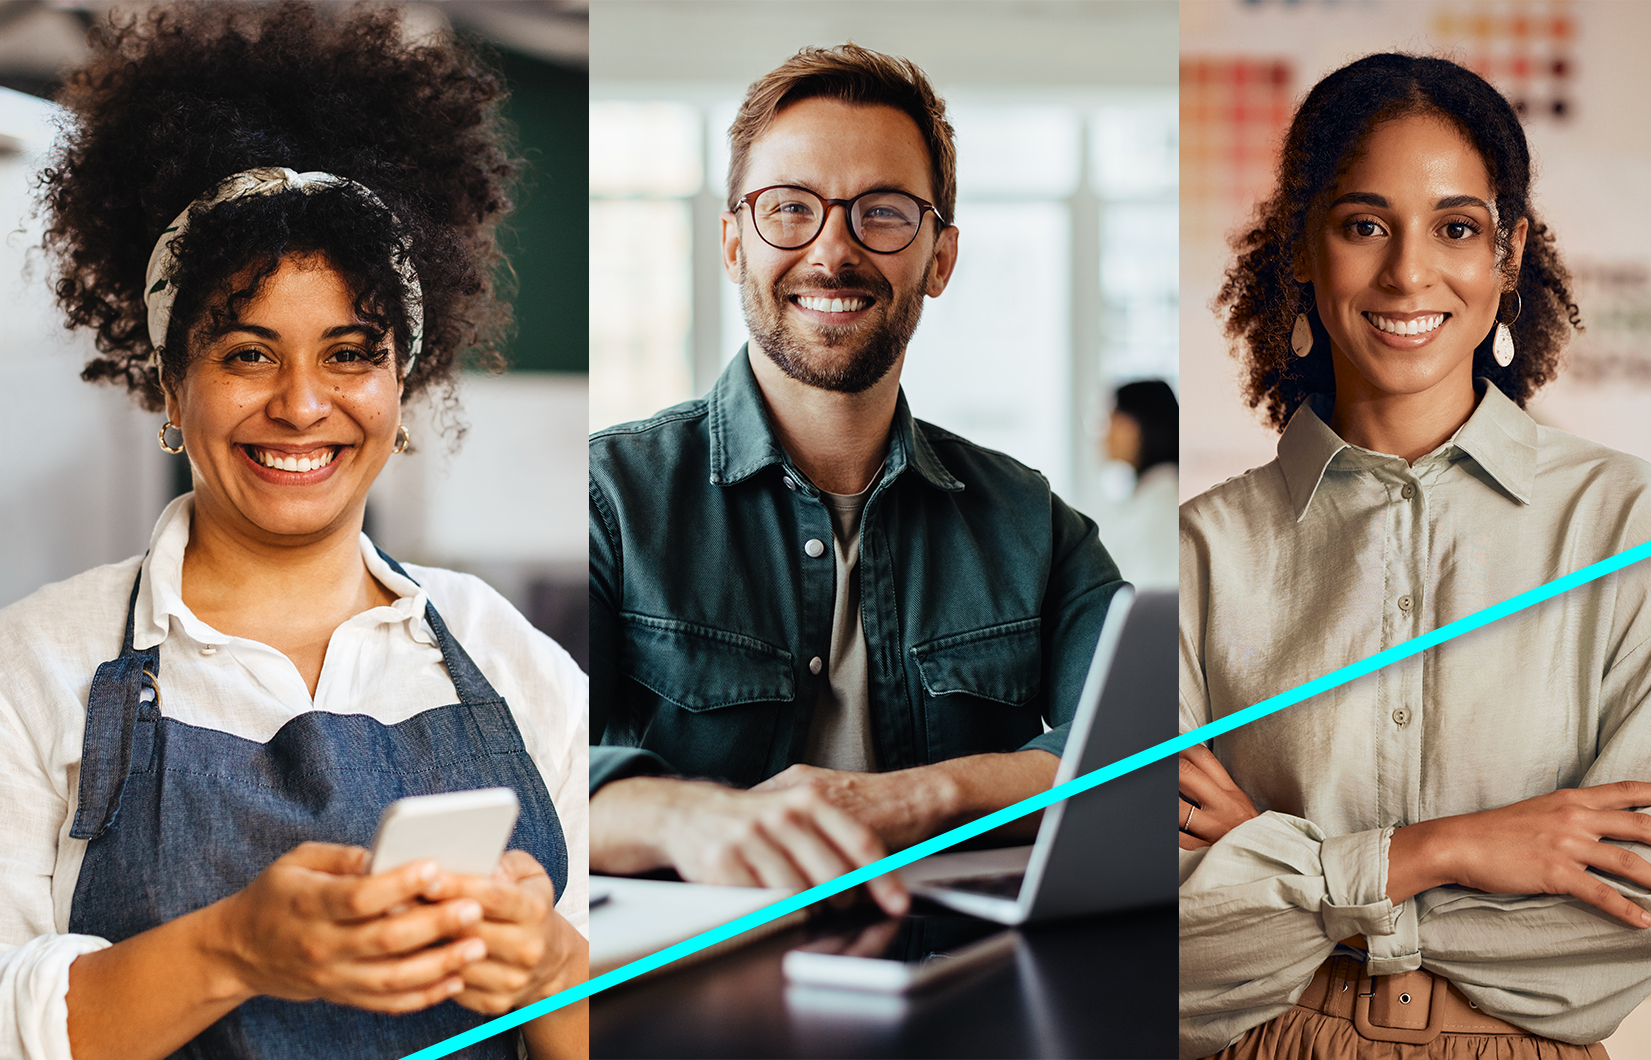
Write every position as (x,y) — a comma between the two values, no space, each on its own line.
(790,483)
(814,547)
(1404,601)
(815,665)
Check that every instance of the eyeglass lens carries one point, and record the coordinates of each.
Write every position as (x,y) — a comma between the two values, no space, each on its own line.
(885,221)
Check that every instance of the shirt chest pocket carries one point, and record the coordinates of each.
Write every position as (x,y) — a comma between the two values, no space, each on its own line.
(699,668)
(1000,664)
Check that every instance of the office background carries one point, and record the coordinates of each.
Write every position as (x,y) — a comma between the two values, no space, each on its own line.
(1066,282)
(508,505)
(1576,71)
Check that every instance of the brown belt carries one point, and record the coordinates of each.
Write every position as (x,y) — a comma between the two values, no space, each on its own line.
(1411,1007)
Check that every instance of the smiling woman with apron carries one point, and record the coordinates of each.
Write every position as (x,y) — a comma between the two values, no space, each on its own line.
(196,744)
(152,788)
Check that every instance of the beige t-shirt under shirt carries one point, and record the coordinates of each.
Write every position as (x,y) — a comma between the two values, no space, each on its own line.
(840,735)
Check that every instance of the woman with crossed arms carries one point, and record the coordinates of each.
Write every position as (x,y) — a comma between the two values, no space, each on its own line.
(1429,860)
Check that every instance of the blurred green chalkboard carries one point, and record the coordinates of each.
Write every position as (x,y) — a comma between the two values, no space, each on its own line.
(546,238)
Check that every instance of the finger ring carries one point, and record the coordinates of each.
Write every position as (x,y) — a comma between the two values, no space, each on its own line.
(1188,822)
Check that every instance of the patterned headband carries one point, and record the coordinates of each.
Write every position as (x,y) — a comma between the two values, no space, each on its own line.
(160,292)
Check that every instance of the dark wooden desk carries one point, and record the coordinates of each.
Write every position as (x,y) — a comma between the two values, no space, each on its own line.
(1096,987)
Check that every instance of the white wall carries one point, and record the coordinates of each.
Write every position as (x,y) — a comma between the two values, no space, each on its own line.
(86,479)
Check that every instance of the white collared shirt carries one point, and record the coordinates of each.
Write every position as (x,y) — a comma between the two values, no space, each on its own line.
(384,663)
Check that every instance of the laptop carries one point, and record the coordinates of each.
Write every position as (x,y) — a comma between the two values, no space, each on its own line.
(1111,847)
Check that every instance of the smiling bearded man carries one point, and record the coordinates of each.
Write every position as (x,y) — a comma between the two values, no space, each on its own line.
(858,628)
(872,349)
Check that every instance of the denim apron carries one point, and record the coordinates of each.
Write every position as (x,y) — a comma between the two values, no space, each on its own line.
(179,816)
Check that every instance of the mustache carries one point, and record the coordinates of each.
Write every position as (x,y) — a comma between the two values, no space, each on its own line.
(864,283)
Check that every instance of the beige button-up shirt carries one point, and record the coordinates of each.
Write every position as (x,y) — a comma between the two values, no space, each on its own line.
(1331,553)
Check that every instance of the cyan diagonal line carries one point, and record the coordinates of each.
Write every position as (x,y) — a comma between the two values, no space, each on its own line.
(1075,786)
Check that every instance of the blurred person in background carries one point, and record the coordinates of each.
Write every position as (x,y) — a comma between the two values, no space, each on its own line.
(822,629)
(1441,858)
(279,221)
(1139,528)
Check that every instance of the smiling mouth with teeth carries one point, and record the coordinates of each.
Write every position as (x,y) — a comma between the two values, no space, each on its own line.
(1419,326)
(287,462)
(851,304)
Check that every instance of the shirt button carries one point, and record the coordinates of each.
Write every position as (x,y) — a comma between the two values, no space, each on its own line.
(1404,602)
(816,548)
(209,650)
(814,665)
(1408,492)
(1401,716)
(790,484)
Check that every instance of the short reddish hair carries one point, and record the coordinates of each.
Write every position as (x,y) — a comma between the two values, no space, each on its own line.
(855,75)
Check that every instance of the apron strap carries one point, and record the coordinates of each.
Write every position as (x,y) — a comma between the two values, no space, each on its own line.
(111,716)
(472,686)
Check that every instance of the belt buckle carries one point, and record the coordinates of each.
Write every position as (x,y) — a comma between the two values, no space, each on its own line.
(1402,1035)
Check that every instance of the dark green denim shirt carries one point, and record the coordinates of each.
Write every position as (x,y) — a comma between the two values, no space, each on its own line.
(982,596)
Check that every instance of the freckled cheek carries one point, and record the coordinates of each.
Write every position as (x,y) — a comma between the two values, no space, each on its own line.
(216,410)
(376,407)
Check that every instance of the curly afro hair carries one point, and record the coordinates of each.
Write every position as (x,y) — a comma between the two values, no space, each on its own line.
(1260,294)
(178,99)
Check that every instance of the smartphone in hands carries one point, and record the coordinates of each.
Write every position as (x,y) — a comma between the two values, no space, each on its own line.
(464,832)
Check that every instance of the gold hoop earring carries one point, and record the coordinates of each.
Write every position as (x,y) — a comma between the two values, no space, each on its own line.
(403,439)
(161,434)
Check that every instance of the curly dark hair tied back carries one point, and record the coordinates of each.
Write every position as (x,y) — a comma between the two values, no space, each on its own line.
(178,99)
(1260,294)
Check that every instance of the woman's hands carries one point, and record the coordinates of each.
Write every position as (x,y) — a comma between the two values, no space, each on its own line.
(1211,804)
(531,952)
(311,926)
(1543,845)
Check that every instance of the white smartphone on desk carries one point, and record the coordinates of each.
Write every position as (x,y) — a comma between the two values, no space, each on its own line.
(900,956)
(464,832)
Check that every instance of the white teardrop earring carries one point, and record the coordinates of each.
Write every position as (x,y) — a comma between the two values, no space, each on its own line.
(1301,336)
(1502,348)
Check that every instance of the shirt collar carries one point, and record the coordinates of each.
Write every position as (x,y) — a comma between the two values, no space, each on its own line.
(1498,436)
(743,443)
(160,592)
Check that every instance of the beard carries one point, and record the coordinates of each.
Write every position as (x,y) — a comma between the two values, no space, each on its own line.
(870,347)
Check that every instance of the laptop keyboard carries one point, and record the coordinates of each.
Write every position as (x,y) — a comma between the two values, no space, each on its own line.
(1001,885)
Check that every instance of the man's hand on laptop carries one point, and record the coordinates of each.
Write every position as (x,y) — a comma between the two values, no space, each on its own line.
(903,807)
(906,806)
(793,838)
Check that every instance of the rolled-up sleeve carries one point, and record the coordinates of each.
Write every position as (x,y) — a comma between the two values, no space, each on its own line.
(1264,907)
(34,988)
